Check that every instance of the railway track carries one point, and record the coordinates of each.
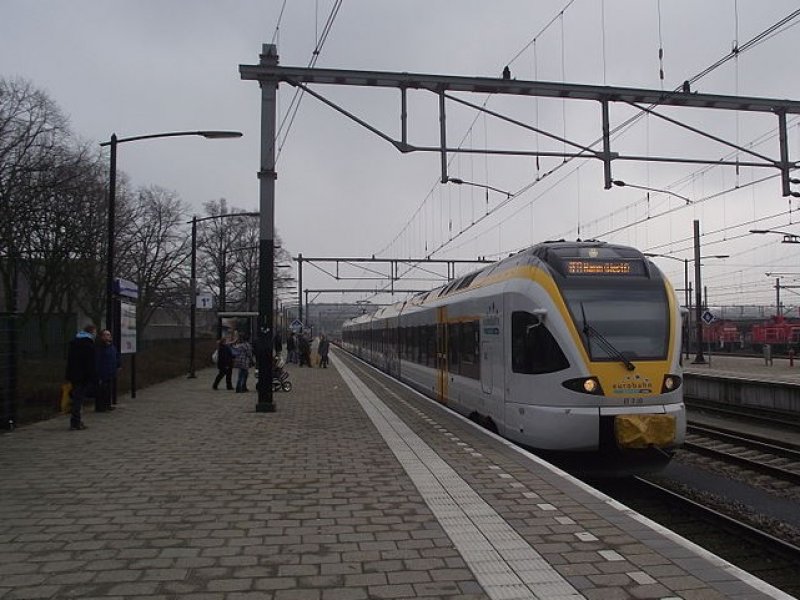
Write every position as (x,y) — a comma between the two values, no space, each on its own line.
(770,457)
(750,549)
(772,418)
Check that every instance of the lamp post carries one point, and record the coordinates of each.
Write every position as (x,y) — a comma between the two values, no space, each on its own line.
(620,183)
(458,181)
(193,282)
(112,200)
(788,238)
(686,289)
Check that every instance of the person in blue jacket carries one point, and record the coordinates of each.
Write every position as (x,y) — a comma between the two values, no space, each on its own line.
(108,363)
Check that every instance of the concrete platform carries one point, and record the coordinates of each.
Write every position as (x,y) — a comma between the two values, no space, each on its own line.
(747,368)
(354,488)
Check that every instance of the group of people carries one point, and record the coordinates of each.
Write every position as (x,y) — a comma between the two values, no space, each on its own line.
(235,354)
(298,350)
(238,354)
(92,366)
(94,362)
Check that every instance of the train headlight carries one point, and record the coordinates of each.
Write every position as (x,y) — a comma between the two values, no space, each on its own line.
(585,385)
(671,383)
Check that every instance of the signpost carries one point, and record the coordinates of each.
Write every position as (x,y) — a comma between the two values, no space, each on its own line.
(205,300)
(126,294)
(708,317)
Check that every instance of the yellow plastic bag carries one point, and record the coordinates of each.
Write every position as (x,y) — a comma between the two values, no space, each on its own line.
(644,431)
(66,398)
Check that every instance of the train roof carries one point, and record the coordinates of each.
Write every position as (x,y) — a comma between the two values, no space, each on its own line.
(544,252)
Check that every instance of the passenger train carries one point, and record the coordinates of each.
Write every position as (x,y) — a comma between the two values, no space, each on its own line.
(571,349)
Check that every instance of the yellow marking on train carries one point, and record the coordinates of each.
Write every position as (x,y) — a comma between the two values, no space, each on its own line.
(609,373)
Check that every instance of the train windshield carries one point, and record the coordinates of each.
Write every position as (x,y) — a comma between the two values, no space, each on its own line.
(632,319)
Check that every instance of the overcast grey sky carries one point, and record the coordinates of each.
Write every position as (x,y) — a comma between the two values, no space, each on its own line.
(148,66)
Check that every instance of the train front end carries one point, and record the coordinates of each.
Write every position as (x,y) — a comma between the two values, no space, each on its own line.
(617,405)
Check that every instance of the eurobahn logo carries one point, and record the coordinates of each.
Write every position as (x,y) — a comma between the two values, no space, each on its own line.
(633,384)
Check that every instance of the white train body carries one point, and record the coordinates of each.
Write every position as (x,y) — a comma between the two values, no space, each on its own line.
(570,349)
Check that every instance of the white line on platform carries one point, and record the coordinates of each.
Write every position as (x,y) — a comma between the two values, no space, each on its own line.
(502,561)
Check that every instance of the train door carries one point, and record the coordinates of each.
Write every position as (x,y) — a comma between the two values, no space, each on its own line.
(441,355)
(487,380)
(491,350)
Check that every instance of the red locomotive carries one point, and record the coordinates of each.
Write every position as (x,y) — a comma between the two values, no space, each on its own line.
(750,336)
(779,332)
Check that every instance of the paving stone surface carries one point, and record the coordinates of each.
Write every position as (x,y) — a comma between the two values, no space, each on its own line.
(187,492)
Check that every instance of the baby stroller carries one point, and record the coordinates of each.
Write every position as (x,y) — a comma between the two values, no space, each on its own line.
(280,376)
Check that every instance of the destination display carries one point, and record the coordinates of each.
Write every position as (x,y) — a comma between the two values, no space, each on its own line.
(605,266)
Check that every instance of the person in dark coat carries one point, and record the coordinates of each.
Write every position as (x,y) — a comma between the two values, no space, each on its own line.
(278,344)
(291,349)
(305,350)
(322,350)
(81,372)
(224,364)
(108,365)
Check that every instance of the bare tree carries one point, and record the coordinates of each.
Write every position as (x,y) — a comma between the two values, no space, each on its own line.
(229,250)
(69,238)
(153,247)
(218,242)
(51,196)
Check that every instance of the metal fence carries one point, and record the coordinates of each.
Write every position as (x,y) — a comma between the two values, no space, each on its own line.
(9,358)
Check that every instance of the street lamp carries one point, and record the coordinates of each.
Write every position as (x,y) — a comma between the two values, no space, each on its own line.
(112,192)
(620,183)
(687,295)
(788,238)
(458,181)
(193,281)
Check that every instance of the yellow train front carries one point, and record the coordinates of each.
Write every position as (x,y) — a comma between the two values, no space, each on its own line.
(571,349)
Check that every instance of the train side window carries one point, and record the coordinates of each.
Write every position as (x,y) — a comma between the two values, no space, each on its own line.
(470,350)
(430,334)
(533,347)
(423,345)
(453,336)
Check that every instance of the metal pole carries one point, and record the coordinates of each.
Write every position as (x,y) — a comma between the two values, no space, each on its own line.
(10,404)
(112,191)
(300,287)
(691,308)
(223,299)
(687,295)
(777,296)
(222,259)
(699,359)
(112,202)
(193,300)
(267,176)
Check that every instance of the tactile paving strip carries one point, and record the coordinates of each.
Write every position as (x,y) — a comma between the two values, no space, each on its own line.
(503,562)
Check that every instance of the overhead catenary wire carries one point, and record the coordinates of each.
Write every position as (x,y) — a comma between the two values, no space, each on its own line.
(278,24)
(624,126)
(779,27)
(294,105)
(513,59)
